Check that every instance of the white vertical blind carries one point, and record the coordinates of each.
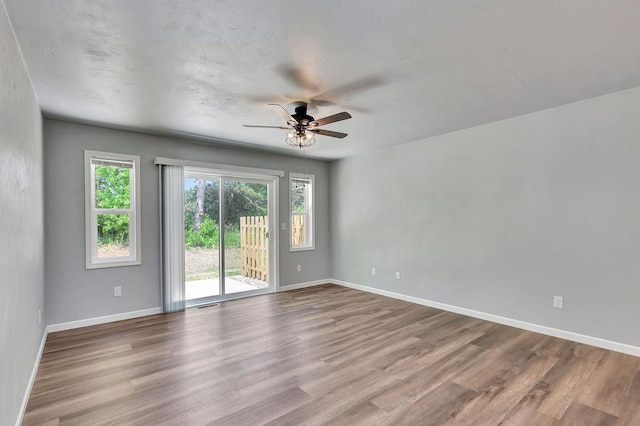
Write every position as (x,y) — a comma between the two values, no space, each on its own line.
(172,196)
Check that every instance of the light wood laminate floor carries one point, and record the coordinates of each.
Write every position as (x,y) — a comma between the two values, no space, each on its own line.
(327,355)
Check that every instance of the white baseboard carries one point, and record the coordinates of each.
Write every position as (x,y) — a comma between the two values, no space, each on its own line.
(303,285)
(102,320)
(549,331)
(34,371)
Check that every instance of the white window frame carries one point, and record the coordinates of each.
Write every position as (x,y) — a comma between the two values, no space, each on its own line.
(91,213)
(310,212)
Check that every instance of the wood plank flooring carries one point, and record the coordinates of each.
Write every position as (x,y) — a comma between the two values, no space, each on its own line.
(327,355)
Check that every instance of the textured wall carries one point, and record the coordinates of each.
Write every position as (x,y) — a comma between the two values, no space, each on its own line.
(502,217)
(74,293)
(21,233)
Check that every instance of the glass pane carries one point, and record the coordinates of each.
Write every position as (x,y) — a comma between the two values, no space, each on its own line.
(297,230)
(112,186)
(298,195)
(201,237)
(113,235)
(245,241)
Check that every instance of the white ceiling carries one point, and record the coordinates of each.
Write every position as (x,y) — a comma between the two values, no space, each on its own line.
(405,70)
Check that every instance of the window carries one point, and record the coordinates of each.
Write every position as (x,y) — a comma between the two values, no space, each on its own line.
(112,209)
(301,202)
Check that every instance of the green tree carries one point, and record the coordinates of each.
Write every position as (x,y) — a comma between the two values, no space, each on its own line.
(244,199)
(241,199)
(112,192)
(210,206)
(298,196)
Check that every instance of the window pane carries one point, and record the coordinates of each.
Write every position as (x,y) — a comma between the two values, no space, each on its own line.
(297,230)
(113,235)
(112,186)
(201,237)
(298,195)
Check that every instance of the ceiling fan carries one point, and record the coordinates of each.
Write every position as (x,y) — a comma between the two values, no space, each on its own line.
(302,128)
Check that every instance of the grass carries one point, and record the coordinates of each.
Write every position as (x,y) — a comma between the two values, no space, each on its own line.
(210,274)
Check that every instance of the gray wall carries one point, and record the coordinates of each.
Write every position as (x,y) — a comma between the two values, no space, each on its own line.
(21,219)
(74,293)
(502,217)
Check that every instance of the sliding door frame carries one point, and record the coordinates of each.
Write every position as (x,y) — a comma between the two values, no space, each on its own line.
(272,182)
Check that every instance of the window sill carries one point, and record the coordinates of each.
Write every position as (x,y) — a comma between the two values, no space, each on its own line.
(112,264)
(306,248)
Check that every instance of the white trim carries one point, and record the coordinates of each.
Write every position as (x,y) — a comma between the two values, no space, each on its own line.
(90,214)
(32,379)
(103,320)
(542,329)
(305,284)
(273,191)
(226,167)
(274,236)
(310,229)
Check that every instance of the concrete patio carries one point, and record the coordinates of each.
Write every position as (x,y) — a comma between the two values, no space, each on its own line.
(207,288)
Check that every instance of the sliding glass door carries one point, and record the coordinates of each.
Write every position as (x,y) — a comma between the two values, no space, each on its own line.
(246,236)
(201,241)
(229,245)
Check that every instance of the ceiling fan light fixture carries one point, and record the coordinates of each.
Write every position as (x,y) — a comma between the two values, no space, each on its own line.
(302,128)
(300,140)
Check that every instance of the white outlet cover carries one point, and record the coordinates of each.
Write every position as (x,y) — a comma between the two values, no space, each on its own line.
(558,302)
(299,268)
(117,291)
(397,275)
(373,271)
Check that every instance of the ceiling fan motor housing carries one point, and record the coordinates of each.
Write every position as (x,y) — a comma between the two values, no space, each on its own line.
(301,115)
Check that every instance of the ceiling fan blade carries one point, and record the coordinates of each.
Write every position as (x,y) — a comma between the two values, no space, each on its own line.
(316,102)
(332,118)
(267,127)
(298,77)
(282,110)
(362,85)
(331,133)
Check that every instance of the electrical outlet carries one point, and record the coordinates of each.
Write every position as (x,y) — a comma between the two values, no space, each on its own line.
(39,316)
(397,275)
(283,226)
(117,291)
(558,302)
(299,268)
(373,271)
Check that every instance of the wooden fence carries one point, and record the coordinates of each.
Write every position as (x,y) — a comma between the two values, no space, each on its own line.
(297,229)
(254,247)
